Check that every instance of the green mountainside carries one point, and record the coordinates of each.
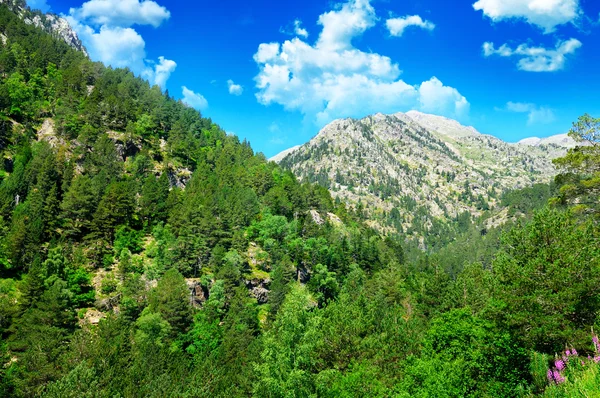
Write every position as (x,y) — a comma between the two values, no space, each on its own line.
(144,252)
(417,174)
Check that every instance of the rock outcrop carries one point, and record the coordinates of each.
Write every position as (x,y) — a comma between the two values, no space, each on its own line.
(50,23)
(409,172)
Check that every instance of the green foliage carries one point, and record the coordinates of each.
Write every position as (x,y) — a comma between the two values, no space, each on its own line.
(580,178)
(287,360)
(549,277)
(170,299)
(127,239)
(152,329)
(144,186)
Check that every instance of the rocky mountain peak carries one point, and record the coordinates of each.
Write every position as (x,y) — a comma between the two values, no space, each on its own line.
(410,171)
(50,23)
(562,140)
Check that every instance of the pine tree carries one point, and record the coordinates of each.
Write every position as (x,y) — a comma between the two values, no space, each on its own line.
(171,298)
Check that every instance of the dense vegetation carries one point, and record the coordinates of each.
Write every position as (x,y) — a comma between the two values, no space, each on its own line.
(144,252)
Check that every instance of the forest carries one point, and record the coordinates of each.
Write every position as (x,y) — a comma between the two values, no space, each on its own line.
(144,252)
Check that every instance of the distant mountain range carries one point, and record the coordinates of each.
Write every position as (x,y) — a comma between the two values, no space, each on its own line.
(415,173)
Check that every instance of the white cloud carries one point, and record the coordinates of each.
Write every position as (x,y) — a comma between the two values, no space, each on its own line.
(437,98)
(104,27)
(341,26)
(194,100)
(535,114)
(295,29)
(299,30)
(114,46)
(396,26)
(333,79)
(162,71)
(41,5)
(234,89)
(122,13)
(547,14)
(536,59)
(266,52)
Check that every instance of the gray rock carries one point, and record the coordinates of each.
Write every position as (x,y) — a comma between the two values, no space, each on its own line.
(50,23)
(198,293)
(261,294)
(421,169)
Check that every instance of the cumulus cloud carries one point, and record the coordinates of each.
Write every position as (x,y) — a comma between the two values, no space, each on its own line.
(434,97)
(331,78)
(536,59)
(104,27)
(546,14)
(41,5)
(299,30)
(114,46)
(162,71)
(535,114)
(295,29)
(193,100)
(122,13)
(341,26)
(396,26)
(234,89)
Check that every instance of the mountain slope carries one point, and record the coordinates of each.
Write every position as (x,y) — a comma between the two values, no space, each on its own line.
(415,173)
(50,23)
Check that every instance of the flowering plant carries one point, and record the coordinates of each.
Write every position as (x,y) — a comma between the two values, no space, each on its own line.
(556,374)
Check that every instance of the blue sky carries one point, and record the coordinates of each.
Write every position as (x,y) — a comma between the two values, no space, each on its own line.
(276,72)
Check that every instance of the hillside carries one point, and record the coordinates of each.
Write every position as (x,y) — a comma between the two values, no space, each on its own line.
(124,208)
(415,173)
(145,252)
(55,25)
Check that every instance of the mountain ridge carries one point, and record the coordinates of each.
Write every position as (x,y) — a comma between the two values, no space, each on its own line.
(420,118)
(51,23)
(413,173)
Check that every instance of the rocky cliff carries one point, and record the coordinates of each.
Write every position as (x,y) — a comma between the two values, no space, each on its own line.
(50,23)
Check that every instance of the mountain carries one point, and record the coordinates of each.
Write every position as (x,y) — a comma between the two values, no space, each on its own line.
(50,23)
(562,140)
(277,158)
(145,252)
(124,213)
(415,173)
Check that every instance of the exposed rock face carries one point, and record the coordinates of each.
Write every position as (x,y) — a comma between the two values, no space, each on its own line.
(47,133)
(50,23)
(179,178)
(259,289)
(316,217)
(412,170)
(92,317)
(277,158)
(261,294)
(198,293)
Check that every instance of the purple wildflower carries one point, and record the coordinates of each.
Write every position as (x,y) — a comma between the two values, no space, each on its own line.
(574,352)
(550,376)
(568,352)
(560,364)
(558,377)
